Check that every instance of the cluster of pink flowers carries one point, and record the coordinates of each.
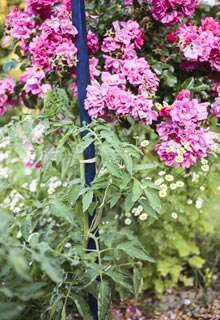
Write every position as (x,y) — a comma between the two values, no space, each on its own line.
(6,90)
(126,86)
(170,12)
(200,45)
(33,82)
(215,109)
(47,40)
(183,140)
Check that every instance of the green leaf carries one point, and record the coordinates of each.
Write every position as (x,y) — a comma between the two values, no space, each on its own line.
(133,251)
(54,306)
(145,166)
(114,199)
(55,100)
(110,160)
(137,281)
(104,299)
(120,279)
(169,78)
(154,199)
(196,262)
(148,209)
(10,310)
(87,199)
(61,210)
(82,307)
(128,202)
(136,190)
(26,227)
(19,263)
(52,268)
(188,83)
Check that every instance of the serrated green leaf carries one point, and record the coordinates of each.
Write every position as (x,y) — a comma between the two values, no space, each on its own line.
(154,199)
(104,299)
(136,190)
(188,83)
(133,251)
(128,202)
(119,279)
(87,199)
(148,209)
(83,307)
(10,310)
(26,227)
(59,209)
(114,199)
(54,306)
(169,78)
(137,281)
(144,166)
(18,263)
(110,160)
(52,268)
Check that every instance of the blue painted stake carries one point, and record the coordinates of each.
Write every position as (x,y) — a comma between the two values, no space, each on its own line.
(83,79)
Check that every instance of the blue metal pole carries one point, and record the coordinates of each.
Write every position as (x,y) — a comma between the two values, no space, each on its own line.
(83,79)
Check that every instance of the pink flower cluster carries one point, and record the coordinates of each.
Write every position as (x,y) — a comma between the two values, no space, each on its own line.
(32,79)
(47,41)
(200,45)
(183,140)
(126,86)
(93,42)
(215,109)
(6,90)
(54,48)
(170,12)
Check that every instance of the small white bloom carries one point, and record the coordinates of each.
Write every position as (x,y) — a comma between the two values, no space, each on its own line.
(163,187)
(16,210)
(159,181)
(127,221)
(143,216)
(173,186)
(174,215)
(181,151)
(162,194)
(179,158)
(202,188)
(169,149)
(205,167)
(199,203)
(169,177)
(51,190)
(189,201)
(140,208)
(68,245)
(143,186)
(180,184)
(161,173)
(144,143)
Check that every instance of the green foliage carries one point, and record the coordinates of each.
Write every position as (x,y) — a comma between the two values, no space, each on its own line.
(44,243)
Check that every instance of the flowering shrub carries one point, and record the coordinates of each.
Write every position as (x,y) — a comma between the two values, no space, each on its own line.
(156,138)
